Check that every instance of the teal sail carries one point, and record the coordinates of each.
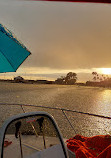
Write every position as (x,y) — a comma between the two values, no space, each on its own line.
(12,51)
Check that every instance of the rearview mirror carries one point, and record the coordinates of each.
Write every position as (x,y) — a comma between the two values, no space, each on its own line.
(31,135)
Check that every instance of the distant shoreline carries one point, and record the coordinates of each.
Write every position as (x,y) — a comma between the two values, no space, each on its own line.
(52,83)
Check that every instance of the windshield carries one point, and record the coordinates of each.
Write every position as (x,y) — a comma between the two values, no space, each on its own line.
(68,73)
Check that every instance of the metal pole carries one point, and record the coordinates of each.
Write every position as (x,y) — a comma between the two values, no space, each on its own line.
(68,121)
(20,145)
(34,129)
(43,137)
(31,123)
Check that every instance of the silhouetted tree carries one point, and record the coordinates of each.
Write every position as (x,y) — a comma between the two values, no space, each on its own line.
(71,78)
(95,76)
(59,81)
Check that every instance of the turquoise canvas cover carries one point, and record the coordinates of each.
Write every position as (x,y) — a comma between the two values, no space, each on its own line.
(12,51)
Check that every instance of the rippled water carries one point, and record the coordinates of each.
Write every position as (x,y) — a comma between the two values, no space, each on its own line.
(85,99)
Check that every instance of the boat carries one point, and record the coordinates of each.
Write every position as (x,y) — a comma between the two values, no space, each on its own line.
(34,141)
(31,135)
(36,134)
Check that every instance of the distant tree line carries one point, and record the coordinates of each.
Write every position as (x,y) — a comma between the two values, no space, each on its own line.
(100,80)
(69,79)
(99,77)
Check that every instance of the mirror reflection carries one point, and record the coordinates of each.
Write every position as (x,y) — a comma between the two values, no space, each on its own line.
(32,137)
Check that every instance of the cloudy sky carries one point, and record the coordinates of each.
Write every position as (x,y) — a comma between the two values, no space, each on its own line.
(62,36)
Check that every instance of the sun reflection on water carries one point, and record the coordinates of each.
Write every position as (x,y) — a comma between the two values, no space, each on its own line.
(103,102)
(102,107)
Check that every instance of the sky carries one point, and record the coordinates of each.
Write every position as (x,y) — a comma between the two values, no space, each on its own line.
(62,37)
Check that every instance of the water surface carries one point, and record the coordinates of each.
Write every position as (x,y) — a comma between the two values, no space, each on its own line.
(84,99)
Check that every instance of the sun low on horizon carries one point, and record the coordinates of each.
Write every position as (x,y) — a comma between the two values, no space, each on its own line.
(106,71)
